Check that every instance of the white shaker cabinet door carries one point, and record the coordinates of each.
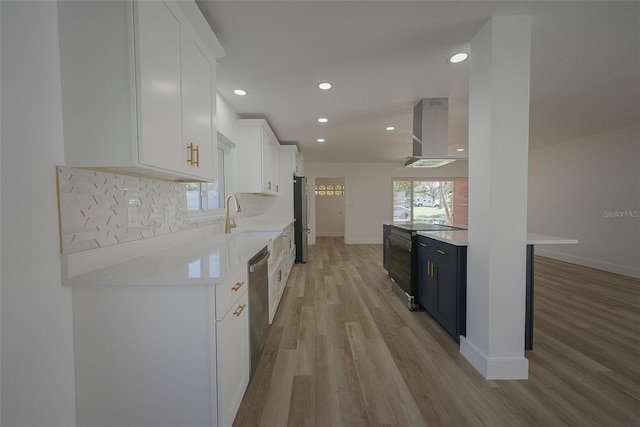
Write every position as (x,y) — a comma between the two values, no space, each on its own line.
(159,82)
(198,109)
(232,359)
(258,149)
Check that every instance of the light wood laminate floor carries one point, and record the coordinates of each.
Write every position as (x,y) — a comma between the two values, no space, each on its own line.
(344,351)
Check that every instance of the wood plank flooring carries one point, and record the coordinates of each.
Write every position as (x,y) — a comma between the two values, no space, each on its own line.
(344,351)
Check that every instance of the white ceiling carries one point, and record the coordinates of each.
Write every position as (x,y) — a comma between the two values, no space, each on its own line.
(383,56)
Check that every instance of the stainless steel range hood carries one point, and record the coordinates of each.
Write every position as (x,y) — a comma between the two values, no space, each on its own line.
(430,135)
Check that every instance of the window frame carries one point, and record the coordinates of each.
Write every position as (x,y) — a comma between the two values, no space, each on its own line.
(412,196)
(204,213)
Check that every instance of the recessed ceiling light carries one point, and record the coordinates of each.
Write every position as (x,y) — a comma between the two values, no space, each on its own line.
(320,139)
(458,57)
(323,120)
(325,86)
(390,128)
(460,149)
(240,92)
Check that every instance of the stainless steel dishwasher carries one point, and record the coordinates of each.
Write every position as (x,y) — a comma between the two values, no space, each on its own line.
(258,305)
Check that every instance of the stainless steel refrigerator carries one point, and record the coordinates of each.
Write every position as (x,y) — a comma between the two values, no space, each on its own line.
(301,215)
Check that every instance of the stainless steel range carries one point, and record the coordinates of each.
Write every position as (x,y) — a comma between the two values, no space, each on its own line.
(401,242)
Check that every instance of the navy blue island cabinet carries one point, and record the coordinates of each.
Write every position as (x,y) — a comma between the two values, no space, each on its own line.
(442,284)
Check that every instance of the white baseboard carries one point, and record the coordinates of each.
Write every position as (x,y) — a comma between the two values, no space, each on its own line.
(592,263)
(495,368)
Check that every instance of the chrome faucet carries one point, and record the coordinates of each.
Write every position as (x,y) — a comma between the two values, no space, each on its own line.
(230,223)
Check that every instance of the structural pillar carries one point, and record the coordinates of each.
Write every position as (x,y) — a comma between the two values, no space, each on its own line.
(498,159)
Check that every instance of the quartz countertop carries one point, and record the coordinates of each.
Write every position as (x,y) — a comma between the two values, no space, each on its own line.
(194,259)
(460,238)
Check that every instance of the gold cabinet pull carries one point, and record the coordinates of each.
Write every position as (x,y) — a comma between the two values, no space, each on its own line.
(197,160)
(237,286)
(190,153)
(441,252)
(239,310)
(424,245)
(279,275)
(269,185)
(277,186)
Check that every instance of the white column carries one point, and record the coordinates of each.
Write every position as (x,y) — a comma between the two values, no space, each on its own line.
(498,151)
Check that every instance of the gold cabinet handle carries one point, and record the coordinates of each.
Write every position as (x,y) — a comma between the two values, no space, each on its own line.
(197,160)
(190,153)
(441,252)
(239,310)
(269,185)
(237,286)
(279,275)
(423,245)
(277,188)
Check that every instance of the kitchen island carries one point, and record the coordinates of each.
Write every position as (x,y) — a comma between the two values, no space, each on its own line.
(439,275)
(451,314)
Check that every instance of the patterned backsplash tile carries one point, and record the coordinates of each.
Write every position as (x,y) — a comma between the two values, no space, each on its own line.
(100,209)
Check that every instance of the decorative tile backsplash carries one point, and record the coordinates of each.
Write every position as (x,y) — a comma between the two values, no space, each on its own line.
(100,209)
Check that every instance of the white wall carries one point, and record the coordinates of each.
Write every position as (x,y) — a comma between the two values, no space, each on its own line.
(589,189)
(330,210)
(228,132)
(36,337)
(226,119)
(0,213)
(368,188)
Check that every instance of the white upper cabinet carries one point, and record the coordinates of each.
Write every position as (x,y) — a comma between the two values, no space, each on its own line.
(198,109)
(258,158)
(159,81)
(138,88)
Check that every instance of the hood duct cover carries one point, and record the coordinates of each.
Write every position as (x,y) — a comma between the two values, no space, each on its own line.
(430,134)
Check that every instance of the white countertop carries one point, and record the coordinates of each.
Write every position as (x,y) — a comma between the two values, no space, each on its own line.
(460,238)
(195,259)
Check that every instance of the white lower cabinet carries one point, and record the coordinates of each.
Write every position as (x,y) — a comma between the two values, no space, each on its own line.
(145,355)
(275,279)
(161,355)
(232,359)
(281,261)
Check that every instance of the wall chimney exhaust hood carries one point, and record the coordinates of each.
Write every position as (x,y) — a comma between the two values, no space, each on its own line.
(430,134)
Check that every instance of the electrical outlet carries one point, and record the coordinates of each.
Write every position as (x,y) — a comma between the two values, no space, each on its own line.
(132,217)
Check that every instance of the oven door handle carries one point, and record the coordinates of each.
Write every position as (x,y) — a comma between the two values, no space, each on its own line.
(401,242)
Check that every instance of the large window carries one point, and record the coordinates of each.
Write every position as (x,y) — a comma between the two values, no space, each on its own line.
(202,196)
(434,201)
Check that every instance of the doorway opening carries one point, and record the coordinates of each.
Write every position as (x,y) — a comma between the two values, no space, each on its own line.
(329,204)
